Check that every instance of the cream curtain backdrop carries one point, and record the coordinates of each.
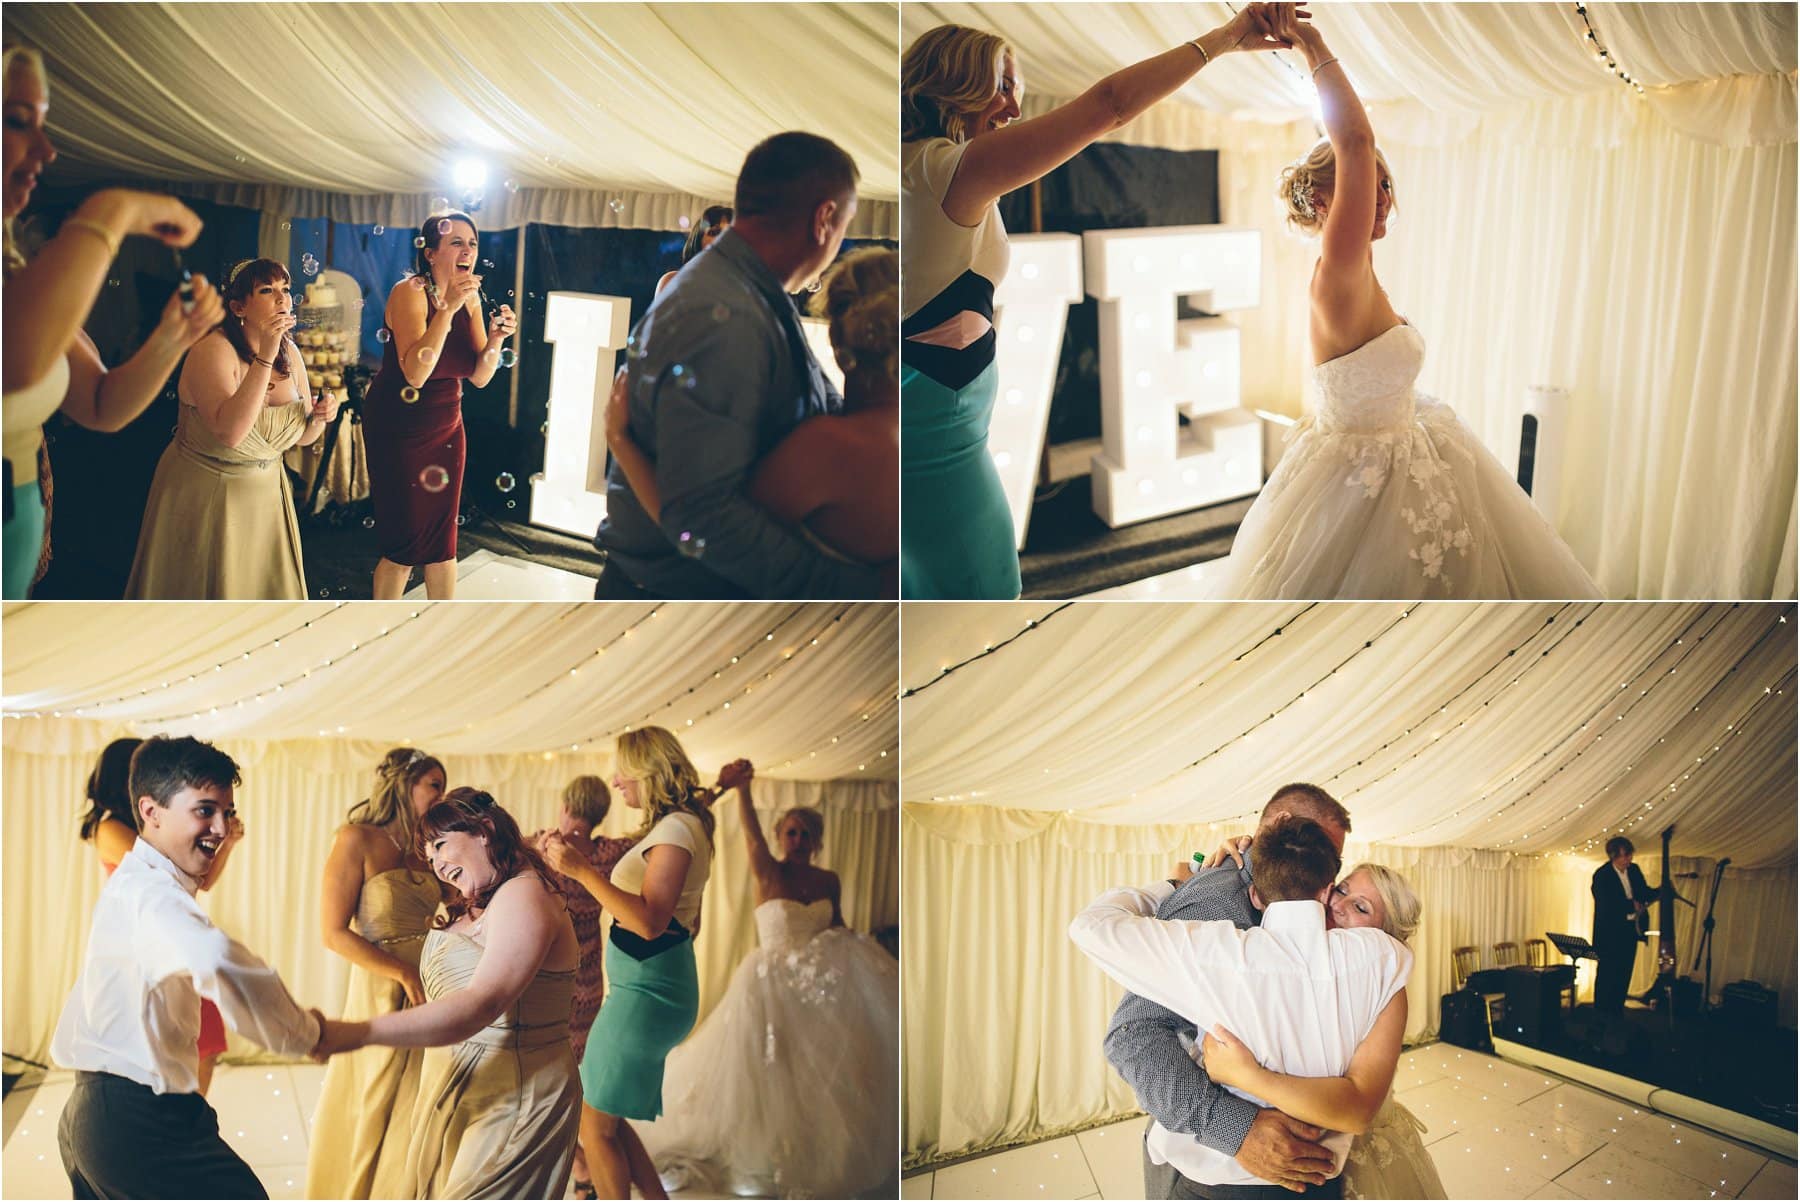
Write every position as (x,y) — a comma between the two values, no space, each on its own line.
(487,688)
(651,106)
(1552,228)
(1482,750)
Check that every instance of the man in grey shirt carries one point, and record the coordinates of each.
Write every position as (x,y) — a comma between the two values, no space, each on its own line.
(1144,1044)
(718,372)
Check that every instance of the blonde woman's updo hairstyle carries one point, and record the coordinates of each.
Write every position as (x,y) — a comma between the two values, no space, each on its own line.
(1304,182)
(667,780)
(860,297)
(1398,900)
(947,77)
(391,802)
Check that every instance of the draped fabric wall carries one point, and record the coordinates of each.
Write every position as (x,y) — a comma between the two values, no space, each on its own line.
(1003,1036)
(1484,751)
(579,104)
(488,688)
(1553,228)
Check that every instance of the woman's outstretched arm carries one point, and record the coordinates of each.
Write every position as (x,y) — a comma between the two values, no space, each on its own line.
(1346,1103)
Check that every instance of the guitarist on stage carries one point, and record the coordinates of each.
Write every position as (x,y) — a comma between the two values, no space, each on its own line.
(1621,917)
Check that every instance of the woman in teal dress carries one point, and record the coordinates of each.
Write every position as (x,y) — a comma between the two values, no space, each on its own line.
(653,900)
(963,148)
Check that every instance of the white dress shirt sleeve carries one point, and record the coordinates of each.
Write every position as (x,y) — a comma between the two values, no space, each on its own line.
(250,996)
(1184,966)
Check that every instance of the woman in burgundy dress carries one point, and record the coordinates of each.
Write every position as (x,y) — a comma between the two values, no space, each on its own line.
(412,418)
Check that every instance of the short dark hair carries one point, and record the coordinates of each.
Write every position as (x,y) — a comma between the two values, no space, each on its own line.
(162,767)
(1617,844)
(792,174)
(715,218)
(1294,859)
(1308,801)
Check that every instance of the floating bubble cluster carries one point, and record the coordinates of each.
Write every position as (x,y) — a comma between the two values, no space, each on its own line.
(690,545)
(436,478)
(682,377)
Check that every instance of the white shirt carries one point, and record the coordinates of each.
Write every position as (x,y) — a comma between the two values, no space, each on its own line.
(152,954)
(1625,880)
(1300,997)
(680,830)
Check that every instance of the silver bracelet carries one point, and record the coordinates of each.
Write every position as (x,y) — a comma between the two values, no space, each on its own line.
(1205,58)
(1322,66)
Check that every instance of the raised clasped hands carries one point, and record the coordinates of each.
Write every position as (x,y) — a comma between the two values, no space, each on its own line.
(1287,24)
(735,775)
(1255,27)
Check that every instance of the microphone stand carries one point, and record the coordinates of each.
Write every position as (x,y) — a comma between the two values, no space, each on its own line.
(1705,946)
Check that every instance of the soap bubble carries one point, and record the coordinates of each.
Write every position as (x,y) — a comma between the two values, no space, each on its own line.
(112,283)
(617,206)
(310,267)
(512,504)
(368,523)
(409,394)
(444,226)
(544,429)
(419,242)
(287,225)
(324,592)
(237,158)
(383,334)
(512,185)
(427,355)
(505,482)
(507,358)
(684,221)
(417,281)
(682,377)
(439,202)
(462,519)
(435,478)
(487,264)
(690,545)
(380,230)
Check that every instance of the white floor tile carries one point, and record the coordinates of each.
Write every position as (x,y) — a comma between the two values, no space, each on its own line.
(1472,1168)
(1115,1156)
(1616,1172)
(1774,1180)
(1553,1190)
(918,1186)
(1053,1169)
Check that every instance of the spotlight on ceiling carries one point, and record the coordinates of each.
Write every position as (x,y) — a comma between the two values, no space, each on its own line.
(469,173)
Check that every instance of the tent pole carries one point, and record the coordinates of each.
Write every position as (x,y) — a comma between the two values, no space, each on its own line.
(512,400)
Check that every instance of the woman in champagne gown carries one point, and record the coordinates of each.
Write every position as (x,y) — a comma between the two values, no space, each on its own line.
(1383,491)
(499,1101)
(219,523)
(376,904)
(788,1088)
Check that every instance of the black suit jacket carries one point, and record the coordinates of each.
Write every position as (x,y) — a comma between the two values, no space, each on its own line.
(1615,918)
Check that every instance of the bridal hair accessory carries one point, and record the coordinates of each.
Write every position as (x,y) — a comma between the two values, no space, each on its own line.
(1303,196)
(415,757)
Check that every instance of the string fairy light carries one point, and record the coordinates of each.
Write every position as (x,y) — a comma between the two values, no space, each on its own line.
(356,647)
(787,655)
(991,649)
(1593,715)
(1444,704)
(1601,53)
(236,657)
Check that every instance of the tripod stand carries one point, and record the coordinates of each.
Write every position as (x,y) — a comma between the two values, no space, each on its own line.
(1704,948)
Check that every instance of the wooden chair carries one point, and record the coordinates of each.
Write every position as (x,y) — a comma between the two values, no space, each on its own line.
(1506,955)
(1463,961)
(1537,953)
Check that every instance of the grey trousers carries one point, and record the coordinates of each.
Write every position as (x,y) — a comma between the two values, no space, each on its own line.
(1165,1181)
(120,1139)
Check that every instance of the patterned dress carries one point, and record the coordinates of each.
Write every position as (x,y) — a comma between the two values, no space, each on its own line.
(584,912)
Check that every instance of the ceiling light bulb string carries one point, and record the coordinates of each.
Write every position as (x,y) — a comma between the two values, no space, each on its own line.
(1768,692)
(1680,640)
(87,707)
(575,668)
(356,647)
(1443,704)
(1762,702)
(787,657)
(873,712)
(991,649)
(1247,735)
(1602,54)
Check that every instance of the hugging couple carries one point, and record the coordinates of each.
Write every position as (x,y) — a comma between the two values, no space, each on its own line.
(1266,1009)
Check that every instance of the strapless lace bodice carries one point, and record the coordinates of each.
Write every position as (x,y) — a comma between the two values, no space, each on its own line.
(1370,389)
(783,925)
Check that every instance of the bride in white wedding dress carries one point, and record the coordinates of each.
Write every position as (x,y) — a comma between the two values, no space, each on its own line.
(788,1088)
(1383,492)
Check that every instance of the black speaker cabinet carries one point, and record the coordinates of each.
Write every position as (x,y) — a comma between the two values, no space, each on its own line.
(1533,1006)
(1463,1021)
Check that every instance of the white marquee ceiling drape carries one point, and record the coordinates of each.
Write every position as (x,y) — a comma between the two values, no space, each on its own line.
(1056,751)
(516,699)
(1637,251)
(358,111)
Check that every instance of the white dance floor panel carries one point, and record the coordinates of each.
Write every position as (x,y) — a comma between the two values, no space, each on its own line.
(485,576)
(1493,1128)
(265,1113)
